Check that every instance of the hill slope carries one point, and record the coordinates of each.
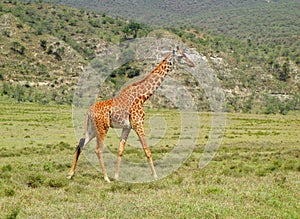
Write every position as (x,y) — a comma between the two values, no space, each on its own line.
(260,20)
(45,47)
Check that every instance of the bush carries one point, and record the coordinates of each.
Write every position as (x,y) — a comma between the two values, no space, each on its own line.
(7,89)
(43,44)
(271,105)
(18,48)
(133,73)
(275,105)
(19,93)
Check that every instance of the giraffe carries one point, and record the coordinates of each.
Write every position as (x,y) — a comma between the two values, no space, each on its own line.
(125,111)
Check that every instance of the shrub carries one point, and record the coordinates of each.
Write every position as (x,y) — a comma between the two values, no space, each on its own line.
(43,44)
(133,73)
(18,47)
(7,89)
(19,93)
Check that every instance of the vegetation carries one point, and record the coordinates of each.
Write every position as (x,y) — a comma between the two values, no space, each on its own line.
(274,22)
(254,174)
(45,48)
(263,73)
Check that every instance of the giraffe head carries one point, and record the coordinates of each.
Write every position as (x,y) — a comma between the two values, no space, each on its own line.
(180,58)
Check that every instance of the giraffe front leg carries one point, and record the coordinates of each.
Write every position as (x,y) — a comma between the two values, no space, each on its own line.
(125,133)
(137,121)
(148,155)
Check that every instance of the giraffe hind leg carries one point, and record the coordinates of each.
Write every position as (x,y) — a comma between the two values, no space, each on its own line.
(140,132)
(125,133)
(78,151)
(89,135)
(148,155)
(99,153)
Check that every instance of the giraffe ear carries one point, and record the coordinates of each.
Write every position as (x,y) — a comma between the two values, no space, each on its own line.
(176,50)
(181,57)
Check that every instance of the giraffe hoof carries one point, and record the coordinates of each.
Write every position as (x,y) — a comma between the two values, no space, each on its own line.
(106,179)
(70,176)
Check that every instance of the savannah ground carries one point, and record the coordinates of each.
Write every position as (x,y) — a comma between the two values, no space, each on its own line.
(255,173)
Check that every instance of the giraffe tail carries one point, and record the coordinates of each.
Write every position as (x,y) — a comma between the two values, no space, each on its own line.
(78,151)
(82,140)
(89,133)
(80,145)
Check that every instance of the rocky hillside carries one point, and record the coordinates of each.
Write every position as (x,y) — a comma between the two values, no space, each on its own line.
(259,20)
(44,48)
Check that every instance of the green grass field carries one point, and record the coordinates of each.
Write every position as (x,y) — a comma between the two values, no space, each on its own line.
(255,173)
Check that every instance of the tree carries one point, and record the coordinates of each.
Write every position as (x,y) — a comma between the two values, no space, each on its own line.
(132,29)
(284,74)
(22,50)
(59,53)
(44,44)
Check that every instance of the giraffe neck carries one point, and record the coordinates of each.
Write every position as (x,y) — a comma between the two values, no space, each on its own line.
(164,67)
(141,90)
(157,75)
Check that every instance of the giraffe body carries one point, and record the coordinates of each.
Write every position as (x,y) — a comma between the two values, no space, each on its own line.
(125,111)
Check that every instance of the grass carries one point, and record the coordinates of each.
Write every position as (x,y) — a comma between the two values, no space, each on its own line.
(255,173)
